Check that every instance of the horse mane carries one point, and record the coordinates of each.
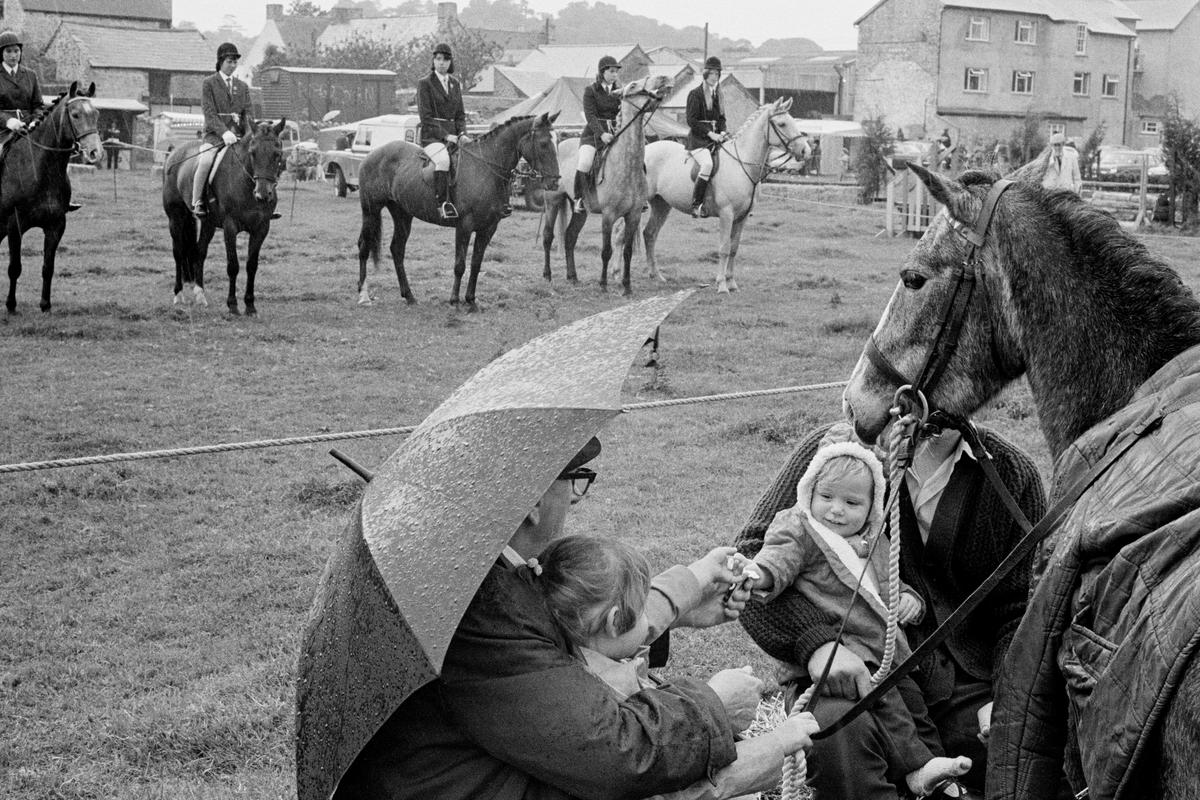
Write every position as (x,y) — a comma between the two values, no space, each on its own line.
(508,123)
(43,111)
(750,120)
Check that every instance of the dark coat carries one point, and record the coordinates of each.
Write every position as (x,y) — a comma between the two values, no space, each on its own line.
(515,716)
(18,93)
(600,108)
(1114,619)
(970,534)
(218,105)
(701,119)
(441,114)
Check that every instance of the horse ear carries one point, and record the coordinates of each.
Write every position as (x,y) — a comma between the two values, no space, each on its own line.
(786,104)
(279,125)
(550,119)
(957,200)
(91,92)
(74,89)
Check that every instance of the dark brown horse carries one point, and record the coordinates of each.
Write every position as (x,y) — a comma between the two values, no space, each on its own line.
(34,189)
(1102,676)
(399,177)
(243,191)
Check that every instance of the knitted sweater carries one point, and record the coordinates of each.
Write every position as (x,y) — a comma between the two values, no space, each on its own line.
(970,534)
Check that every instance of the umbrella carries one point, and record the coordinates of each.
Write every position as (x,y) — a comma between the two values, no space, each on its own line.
(433,521)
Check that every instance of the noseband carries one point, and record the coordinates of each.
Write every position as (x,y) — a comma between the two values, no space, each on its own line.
(75,134)
(954,314)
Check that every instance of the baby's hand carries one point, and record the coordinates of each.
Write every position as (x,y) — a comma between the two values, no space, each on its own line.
(715,567)
(908,608)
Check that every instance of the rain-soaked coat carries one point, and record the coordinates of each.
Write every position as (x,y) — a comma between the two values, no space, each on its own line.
(516,717)
(1116,618)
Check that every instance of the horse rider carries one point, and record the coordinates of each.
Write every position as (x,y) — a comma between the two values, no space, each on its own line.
(20,92)
(601,104)
(706,123)
(443,122)
(225,100)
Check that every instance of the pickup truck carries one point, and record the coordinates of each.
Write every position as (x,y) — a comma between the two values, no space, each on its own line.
(341,166)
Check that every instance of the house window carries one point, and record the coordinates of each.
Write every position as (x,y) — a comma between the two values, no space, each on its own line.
(977,30)
(1057,127)
(1081,39)
(975,80)
(1022,82)
(1082,85)
(1109,87)
(1026,32)
(1151,127)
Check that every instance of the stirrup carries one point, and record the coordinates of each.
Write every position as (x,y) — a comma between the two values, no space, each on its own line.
(198,210)
(449,211)
(578,206)
(698,211)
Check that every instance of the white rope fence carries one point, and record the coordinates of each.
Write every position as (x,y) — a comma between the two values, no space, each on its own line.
(145,455)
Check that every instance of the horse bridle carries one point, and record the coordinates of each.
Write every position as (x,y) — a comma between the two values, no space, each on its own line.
(915,393)
(499,170)
(762,168)
(274,179)
(75,133)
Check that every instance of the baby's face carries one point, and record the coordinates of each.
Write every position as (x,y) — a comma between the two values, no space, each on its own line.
(842,504)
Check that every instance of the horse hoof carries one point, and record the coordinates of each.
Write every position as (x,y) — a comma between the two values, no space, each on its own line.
(733,287)
(365,300)
(473,308)
(233,310)
(627,292)
(198,296)
(722,288)
(412,301)
(45,307)
(251,311)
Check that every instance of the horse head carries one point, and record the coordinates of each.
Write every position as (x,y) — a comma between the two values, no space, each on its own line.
(945,278)
(784,130)
(538,149)
(76,121)
(653,88)
(265,152)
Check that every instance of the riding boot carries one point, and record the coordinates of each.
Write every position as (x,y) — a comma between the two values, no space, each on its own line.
(441,186)
(698,197)
(581,187)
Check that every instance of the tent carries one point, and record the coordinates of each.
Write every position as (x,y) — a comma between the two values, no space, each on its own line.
(566,96)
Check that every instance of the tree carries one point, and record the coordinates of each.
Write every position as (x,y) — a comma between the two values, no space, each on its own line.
(505,15)
(1089,154)
(870,163)
(1181,146)
(1027,139)
(305,8)
(413,59)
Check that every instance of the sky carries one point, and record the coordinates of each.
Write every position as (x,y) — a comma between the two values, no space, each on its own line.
(829,24)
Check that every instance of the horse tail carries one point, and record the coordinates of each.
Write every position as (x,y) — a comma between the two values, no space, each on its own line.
(370,235)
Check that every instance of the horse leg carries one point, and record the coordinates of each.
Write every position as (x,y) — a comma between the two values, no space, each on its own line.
(606,226)
(257,237)
(13,231)
(183,245)
(207,229)
(549,218)
(632,220)
(723,263)
(231,264)
(482,238)
(368,247)
(659,209)
(570,239)
(1180,748)
(52,236)
(462,238)
(735,240)
(401,227)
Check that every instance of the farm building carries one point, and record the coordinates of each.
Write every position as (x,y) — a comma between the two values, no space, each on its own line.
(309,93)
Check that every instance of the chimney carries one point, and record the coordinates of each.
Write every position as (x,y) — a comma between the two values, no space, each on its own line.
(274,10)
(343,14)
(447,14)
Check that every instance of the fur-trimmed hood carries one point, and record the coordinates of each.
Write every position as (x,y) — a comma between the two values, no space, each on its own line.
(804,488)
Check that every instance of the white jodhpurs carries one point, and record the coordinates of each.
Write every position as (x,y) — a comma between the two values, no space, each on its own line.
(587,156)
(703,157)
(440,155)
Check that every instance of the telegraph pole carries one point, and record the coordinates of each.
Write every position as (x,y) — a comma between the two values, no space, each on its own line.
(706,41)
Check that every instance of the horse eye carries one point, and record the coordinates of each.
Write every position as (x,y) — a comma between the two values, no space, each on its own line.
(912,279)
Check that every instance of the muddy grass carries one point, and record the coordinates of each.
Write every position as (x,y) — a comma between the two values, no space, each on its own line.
(150,612)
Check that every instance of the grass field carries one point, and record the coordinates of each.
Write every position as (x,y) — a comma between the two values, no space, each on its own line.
(150,612)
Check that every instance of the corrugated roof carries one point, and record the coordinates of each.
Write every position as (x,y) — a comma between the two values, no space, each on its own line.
(139,48)
(576,61)
(1101,16)
(128,9)
(388,29)
(1161,15)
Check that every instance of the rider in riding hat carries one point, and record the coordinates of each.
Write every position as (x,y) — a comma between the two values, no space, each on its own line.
(226,103)
(601,104)
(20,93)
(443,122)
(706,120)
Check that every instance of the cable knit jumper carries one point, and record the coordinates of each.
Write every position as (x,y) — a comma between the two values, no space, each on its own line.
(970,534)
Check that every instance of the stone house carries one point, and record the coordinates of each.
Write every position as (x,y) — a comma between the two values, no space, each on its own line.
(978,67)
(1166,65)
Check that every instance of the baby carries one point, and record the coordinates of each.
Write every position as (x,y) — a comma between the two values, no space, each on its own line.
(596,589)
(821,547)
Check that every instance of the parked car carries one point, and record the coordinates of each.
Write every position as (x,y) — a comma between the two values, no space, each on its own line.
(909,151)
(1124,165)
(341,166)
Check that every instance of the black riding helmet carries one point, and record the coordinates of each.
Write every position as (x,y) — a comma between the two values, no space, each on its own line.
(10,39)
(226,50)
(444,49)
(605,63)
(712,64)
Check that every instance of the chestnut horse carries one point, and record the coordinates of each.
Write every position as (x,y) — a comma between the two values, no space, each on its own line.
(34,189)
(1102,677)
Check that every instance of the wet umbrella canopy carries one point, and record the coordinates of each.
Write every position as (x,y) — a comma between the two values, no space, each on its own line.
(433,521)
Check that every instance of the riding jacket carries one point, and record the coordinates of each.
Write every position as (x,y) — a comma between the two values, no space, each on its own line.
(703,119)
(219,105)
(601,104)
(20,94)
(441,113)
(1114,623)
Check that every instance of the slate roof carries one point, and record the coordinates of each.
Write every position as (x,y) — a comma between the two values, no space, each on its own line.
(300,34)
(136,48)
(1101,16)
(388,29)
(1161,15)
(128,9)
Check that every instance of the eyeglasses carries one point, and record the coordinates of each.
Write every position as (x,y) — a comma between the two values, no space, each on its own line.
(581,480)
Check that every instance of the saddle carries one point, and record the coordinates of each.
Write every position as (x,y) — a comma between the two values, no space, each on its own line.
(427,168)
(695,170)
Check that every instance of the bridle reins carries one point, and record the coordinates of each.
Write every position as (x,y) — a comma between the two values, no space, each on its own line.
(76,135)
(785,140)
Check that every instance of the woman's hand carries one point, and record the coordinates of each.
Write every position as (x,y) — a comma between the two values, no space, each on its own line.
(796,732)
(606,137)
(740,692)
(716,137)
(848,678)
(908,608)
